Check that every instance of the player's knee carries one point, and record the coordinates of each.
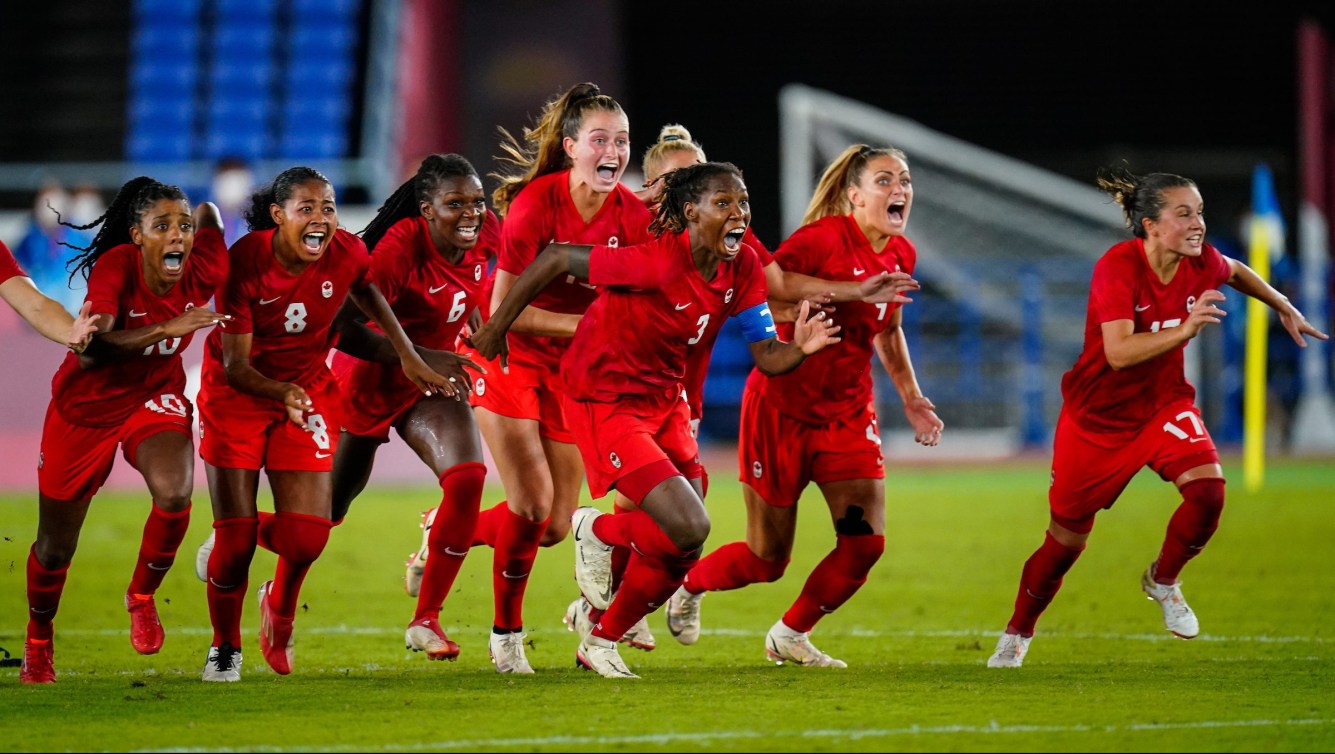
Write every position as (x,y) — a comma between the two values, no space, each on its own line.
(691,534)
(299,538)
(54,553)
(555,533)
(862,551)
(769,571)
(1207,494)
(173,501)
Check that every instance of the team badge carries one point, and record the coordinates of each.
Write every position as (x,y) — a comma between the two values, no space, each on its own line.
(613,242)
(1191,301)
(327,288)
(727,296)
(477,272)
(615,459)
(757,470)
(479,386)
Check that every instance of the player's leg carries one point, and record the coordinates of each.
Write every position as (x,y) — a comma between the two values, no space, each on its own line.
(165,456)
(232,492)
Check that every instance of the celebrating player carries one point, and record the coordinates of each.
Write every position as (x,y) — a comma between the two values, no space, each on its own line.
(622,378)
(44,313)
(1127,403)
(150,277)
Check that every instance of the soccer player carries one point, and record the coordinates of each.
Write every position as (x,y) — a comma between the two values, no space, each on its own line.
(818,422)
(150,276)
(623,384)
(1127,403)
(567,188)
(268,401)
(429,258)
(675,149)
(44,313)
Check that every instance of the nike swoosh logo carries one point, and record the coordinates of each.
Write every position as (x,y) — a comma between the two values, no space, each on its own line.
(1142,308)
(858,270)
(1198,439)
(318,454)
(35,611)
(264,301)
(683,306)
(157,567)
(436,289)
(508,575)
(452,553)
(134,313)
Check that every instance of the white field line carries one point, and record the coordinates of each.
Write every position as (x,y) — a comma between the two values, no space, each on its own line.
(591,743)
(346,630)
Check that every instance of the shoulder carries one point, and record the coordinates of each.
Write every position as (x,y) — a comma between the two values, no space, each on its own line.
(350,242)
(121,256)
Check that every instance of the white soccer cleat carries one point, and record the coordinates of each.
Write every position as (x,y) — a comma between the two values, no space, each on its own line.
(577,618)
(593,558)
(783,644)
(223,664)
(426,635)
(1010,652)
(416,565)
(639,636)
(683,615)
(1177,614)
(600,655)
(507,651)
(202,559)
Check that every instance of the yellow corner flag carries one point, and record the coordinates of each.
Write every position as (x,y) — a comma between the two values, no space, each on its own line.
(1267,238)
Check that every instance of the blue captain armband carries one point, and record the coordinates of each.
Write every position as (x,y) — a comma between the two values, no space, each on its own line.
(757,323)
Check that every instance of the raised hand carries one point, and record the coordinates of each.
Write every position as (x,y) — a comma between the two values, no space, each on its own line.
(297,403)
(195,318)
(927,426)
(813,331)
(454,367)
(1204,312)
(888,288)
(81,332)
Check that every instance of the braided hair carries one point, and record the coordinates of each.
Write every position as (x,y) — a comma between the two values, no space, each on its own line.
(684,185)
(133,198)
(407,199)
(277,192)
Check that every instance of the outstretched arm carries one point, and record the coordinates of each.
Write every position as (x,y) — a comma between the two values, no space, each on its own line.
(893,350)
(812,331)
(356,339)
(428,380)
(45,314)
(555,260)
(1245,280)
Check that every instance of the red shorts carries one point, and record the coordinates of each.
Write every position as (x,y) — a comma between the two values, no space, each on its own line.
(779,455)
(527,392)
(1090,469)
(75,460)
(242,431)
(616,439)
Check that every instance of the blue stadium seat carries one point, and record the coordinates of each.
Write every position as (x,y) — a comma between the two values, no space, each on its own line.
(243,41)
(163,79)
(331,73)
(320,110)
(255,76)
(313,142)
(165,11)
(257,9)
(342,9)
(328,40)
(165,42)
(158,146)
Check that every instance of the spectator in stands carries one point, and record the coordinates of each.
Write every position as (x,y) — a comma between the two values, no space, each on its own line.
(42,250)
(46,315)
(1127,403)
(150,277)
(623,375)
(231,187)
(269,401)
(818,422)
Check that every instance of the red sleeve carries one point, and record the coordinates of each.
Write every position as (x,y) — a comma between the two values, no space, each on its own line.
(763,254)
(238,293)
(387,269)
(801,252)
(359,259)
(108,280)
(639,266)
(490,237)
(524,230)
(751,283)
(1219,266)
(208,258)
(1110,290)
(9,266)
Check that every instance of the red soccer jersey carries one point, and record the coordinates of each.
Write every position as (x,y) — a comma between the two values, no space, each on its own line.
(107,395)
(9,266)
(697,358)
(634,338)
(288,316)
(837,380)
(1124,287)
(430,297)
(543,213)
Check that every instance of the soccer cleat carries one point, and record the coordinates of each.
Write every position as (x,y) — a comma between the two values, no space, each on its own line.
(577,618)
(593,558)
(600,655)
(683,615)
(202,559)
(1177,615)
(223,664)
(507,651)
(275,635)
(412,579)
(38,662)
(425,635)
(783,644)
(639,636)
(145,627)
(1010,652)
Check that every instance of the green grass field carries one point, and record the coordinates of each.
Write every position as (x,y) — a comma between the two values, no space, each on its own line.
(1102,674)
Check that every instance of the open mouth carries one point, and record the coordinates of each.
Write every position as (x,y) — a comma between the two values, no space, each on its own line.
(467,232)
(608,172)
(313,241)
(173,261)
(897,212)
(732,240)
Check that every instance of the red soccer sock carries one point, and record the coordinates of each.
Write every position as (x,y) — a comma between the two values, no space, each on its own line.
(649,581)
(620,555)
(638,529)
(516,548)
(451,534)
(489,524)
(44,588)
(162,537)
(1039,582)
(732,566)
(264,535)
(1190,528)
(229,569)
(837,578)
(298,538)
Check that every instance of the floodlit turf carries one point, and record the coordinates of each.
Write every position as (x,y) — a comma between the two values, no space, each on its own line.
(1102,674)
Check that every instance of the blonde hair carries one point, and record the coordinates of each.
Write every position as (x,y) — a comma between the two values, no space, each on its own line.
(672,138)
(831,195)
(540,151)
